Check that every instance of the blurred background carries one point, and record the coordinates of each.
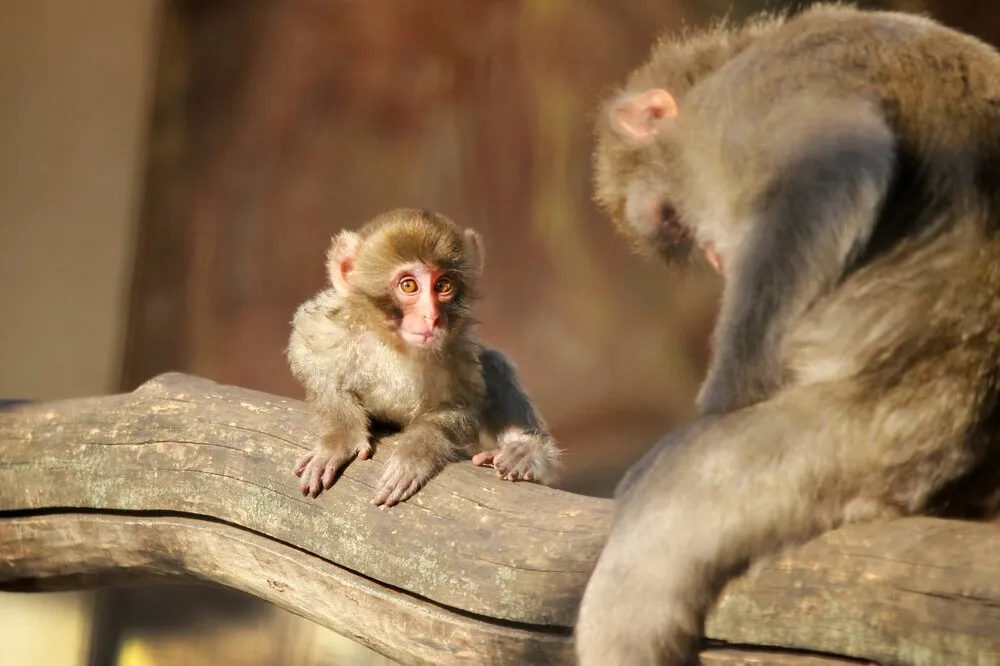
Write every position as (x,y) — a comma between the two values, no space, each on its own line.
(171,172)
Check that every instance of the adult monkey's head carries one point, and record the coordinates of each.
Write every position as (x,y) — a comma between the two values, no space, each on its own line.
(637,176)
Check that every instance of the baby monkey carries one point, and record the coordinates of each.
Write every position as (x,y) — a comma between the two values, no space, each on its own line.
(393,341)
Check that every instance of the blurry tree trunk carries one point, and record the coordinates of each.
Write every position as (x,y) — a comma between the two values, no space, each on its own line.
(705,9)
(973,16)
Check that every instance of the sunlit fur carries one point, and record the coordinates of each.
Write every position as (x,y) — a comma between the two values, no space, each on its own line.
(676,63)
(847,166)
(345,348)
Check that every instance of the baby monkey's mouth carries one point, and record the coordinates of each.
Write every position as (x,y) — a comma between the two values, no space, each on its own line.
(420,339)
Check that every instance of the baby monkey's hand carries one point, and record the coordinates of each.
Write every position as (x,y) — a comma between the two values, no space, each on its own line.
(318,469)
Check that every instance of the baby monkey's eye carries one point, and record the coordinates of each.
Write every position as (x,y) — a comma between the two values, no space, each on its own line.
(408,285)
(444,286)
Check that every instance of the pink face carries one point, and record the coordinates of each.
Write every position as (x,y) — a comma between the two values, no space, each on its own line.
(421,290)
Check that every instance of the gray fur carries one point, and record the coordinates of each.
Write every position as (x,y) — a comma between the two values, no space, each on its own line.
(845,164)
(509,417)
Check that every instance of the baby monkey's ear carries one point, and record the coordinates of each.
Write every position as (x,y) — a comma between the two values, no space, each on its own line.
(641,116)
(340,259)
(474,251)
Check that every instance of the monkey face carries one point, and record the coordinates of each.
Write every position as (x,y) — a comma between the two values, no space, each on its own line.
(422,294)
(651,221)
(635,173)
(409,275)
(641,178)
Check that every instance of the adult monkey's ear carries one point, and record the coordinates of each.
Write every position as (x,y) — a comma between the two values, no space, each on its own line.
(340,259)
(640,116)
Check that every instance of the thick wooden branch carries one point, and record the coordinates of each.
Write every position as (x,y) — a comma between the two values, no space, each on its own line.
(188,478)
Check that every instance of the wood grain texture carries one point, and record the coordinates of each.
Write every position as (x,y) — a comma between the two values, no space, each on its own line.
(110,549)
(70,550)
(185,477)
(189,446)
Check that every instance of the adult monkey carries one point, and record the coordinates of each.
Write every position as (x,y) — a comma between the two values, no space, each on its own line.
(842,169)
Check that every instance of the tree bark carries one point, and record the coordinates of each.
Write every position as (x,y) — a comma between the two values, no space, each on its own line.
(185,477)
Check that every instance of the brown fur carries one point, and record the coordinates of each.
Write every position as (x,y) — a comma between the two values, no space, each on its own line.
(355,368)
(860,346)
(677,62)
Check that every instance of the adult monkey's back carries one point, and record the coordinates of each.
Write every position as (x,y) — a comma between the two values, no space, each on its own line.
(842,169)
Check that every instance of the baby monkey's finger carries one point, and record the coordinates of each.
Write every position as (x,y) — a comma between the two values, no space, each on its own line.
(483,458)
(302,463)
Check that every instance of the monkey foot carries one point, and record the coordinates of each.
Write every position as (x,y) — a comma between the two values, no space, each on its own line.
(398,483)
(508,467)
